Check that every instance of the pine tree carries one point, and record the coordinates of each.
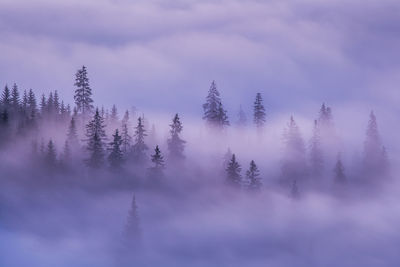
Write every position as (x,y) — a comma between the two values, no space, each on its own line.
(15,101)
(214,113)
(72,136)
(316,155)
(259,112)
(226,158)
(83,93)
(51,155)
(242,118)
(294,161)
(175,144)
(340,177)
(233,172)
(6,98)
(126,140)
(66,156)
(50,105)
(56,104)
(373,150)
(96,138)
(132,233)
(253,177)
(32,101)
(115,158)
(43,105)
(139,148)
(114,115)
(158,161)
(25,103)
(125,119)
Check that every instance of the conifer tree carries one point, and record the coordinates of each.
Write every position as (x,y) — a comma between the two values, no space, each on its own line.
(25,103)
(373,156)
(340,177)
(294,162)
(132,233)
(139,147)
(15,101)
(316,155)
(56,104)
(114,115)
(43,105)
(242,119)
(6,98)
(294,191)
(175,144)
(158,161)
(253,177)
(226,158)
(115,158)
(259,112)
(51,155)
(50,105)
(83,93)
(32,101)
(125,119)
(72,135)
(233,172)
(66,156)
(126,140)
(214,113)
(96,138)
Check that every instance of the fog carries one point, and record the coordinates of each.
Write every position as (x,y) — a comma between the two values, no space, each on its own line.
(70,214)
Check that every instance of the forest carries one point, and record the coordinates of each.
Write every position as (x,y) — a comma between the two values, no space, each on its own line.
(89,185)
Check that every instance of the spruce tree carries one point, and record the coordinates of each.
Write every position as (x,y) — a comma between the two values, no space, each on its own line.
(233,172)
(253,177)
(25,103)
(66,156)
(158,161)
(126,140)
(56,104)
(259,112)
(72,135)
(373,159)
(175,144)
(294,191)
(115,158)
(340,177)
(132,233)
(214,113)
(242,118)
(15,101)
(83,93)
(51,155)
(139,147)
(43,105)
(6,98)
(114,115)
(316,155)
(32,101)
(294,160)
(96,138)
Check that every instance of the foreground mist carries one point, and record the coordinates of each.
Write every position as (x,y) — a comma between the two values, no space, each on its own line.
(85,186)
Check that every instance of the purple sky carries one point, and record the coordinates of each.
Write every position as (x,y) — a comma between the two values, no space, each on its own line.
(296,53)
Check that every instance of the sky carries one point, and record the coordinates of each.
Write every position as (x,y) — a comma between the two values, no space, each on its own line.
(298,54)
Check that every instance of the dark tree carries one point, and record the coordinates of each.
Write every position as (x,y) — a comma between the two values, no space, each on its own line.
(72,136)
(83,92)
(253,177)
(43,105)
(233,172)
(294,160)
(259,112)
(96,138)
(132,233)
(316,155)
(175,144)
(214,113)
(6,97)
(15,101)
(32,101)
(139,148)
(242,118)
(51,155)
(115,158)
(340,177)
(126,140)
(158,163)
(56,103)
(114,115)
(373,151)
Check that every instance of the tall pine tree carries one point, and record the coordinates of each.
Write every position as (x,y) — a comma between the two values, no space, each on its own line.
(115,158)
(259,112)
(83,93)
(139,147)
(253,177)
(175,144)
(96,138)
(233,172)
(214,112)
